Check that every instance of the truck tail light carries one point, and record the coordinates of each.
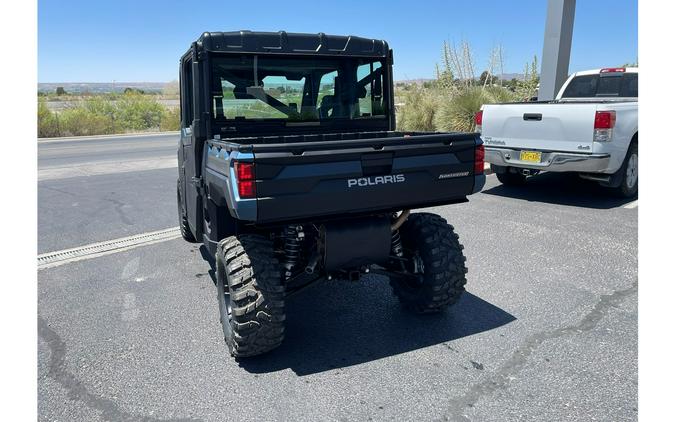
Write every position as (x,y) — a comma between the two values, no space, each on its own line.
(245,174)
(604,126)
(479,160)
(478,119)
(612,69)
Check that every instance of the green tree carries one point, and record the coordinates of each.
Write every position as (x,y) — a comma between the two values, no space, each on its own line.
(487,79)
(129,90)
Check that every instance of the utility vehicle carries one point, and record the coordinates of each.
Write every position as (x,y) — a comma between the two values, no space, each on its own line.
(291,171)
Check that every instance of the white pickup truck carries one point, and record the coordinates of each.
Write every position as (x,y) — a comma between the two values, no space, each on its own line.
(591,128)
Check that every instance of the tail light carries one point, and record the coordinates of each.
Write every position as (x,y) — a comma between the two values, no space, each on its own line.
(478,119)
(612,69)
(604,126)
(245,173)
(479,160)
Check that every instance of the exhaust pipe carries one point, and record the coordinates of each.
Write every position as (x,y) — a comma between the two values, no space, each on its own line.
(400,220)
(313,262)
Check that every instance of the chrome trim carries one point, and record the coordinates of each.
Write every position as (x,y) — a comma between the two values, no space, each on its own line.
(550,160)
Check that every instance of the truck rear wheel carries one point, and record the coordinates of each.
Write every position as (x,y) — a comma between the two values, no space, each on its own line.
(629,174)
(435,262)
(511,179)
(185,231)
(250,295)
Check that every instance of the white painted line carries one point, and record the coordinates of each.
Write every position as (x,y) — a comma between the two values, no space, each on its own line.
(96,137)
(631,205)
(95,250)
(106,167)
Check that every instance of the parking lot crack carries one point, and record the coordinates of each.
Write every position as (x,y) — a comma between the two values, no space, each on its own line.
(502,377)
(119,208)
(59,190)
(76,390)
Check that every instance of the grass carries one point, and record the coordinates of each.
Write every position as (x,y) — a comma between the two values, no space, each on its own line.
(107,114)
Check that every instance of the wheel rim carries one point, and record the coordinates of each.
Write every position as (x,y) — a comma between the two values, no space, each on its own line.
(632,171)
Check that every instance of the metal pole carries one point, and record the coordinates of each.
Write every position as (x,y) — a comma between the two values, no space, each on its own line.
(557,45)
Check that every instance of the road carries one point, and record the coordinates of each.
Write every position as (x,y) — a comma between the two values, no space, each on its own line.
(546,331)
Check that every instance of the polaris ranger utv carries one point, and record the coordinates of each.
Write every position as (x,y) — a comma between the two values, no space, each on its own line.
(290,171)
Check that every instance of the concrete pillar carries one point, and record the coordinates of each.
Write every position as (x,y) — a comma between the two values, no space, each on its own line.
(555,59)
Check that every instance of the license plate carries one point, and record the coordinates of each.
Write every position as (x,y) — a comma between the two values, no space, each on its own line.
(530,156)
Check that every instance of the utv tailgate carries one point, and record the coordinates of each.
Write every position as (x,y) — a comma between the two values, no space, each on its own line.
(566,127)
(300,180)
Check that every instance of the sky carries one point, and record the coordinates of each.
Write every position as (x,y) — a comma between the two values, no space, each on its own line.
(142,40)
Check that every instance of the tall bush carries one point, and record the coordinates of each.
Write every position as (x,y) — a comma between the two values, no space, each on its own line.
(170,119)
(419,108)
(48,125)
(458,113)
(78,121)
(137,112)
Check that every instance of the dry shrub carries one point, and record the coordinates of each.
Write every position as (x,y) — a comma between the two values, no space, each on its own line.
(457,114)
(419,109)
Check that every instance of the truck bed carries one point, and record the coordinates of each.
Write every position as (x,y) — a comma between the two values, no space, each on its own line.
(559,125)
(299,177)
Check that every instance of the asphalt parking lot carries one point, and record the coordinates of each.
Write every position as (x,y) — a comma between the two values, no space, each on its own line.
(546,331)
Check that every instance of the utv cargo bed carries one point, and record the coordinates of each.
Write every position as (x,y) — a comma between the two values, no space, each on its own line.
(341,174)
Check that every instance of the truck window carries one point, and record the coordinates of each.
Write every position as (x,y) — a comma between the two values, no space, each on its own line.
(629,85)
(604,85)
(608,86)
(582,87)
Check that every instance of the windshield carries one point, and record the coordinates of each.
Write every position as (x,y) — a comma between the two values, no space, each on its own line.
(297,88)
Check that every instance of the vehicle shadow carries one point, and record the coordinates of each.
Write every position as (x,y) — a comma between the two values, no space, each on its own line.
(336,324)
(561,189)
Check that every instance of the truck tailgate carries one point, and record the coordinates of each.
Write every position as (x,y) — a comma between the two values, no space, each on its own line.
(334,178)
(564,127)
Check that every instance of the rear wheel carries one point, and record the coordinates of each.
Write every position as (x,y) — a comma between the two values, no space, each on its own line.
(250,295)
(511,179)
(629,173)
(435,262)
(185,231)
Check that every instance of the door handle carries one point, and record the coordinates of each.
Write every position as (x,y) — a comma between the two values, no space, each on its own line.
(532,116)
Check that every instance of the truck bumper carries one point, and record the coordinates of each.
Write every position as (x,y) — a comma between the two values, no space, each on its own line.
(550,161)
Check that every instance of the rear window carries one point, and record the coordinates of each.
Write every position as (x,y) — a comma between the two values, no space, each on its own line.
(604,85)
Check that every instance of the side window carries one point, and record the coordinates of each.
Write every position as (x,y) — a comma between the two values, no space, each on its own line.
(369,77)
(186,113)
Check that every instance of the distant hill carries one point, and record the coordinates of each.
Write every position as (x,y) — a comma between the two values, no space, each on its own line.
(100,87)
(509,76)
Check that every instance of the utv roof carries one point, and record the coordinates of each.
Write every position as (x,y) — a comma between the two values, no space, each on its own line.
(291,43)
